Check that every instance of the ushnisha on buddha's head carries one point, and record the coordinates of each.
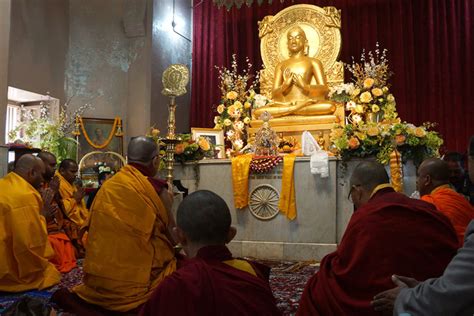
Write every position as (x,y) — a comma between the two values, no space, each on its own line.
(297,41)
(203,219)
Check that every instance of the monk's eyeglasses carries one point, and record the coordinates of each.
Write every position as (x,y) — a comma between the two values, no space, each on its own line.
(349,196)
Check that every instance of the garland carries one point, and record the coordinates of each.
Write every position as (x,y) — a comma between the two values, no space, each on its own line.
(107,141)
(264,163)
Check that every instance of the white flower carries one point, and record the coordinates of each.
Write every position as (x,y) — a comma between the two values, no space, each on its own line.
(216,119)
(357,118)
(230,133)
(259,101)
(238,144)
(239,125)
(350,105)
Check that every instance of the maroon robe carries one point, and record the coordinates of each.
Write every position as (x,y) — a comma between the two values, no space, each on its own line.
(207,286)
(391,234)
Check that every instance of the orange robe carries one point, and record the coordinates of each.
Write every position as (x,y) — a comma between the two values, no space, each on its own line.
(76,212)
(64,257)
(452,204)
(127,253)
(24,246)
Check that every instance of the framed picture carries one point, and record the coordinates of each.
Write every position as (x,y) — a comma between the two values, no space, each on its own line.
(215,136)
(98,132)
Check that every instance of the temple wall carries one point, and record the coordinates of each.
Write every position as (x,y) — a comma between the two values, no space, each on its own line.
(38,46)
(170,48)
(5,7)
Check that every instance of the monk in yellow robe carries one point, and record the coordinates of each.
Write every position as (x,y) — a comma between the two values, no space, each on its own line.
(65,258)
(24,246)
(433,185)
(72,197)
(129,248)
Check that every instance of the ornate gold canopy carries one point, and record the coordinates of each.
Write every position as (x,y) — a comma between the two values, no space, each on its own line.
(322,28)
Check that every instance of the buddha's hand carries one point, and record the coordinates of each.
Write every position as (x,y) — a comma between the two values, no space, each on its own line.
(299,82)
(287,79)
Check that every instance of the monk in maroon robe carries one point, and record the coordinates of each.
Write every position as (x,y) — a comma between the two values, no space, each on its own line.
(212,282)
(388,234)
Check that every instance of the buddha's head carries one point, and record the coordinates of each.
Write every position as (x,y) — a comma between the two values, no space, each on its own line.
(297,41)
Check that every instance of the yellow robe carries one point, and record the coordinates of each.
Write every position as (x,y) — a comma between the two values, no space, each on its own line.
(127,253)
(24,246)
(76,212)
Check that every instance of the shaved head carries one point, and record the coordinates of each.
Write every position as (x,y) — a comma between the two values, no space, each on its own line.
(31,169)
(431,174)
(142,149)
(205,218)
(50,162)
(369,174)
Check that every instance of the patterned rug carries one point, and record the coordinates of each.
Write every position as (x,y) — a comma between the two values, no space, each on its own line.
(287,280)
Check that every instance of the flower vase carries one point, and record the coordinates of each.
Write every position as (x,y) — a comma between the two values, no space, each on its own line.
(373,117)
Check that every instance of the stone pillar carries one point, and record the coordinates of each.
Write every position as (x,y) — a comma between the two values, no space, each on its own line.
(5,7)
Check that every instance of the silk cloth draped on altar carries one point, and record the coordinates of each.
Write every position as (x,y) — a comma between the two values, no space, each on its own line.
(432,66)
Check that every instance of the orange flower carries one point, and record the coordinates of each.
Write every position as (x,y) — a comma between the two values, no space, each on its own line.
(354,143)
(420,132)
(400,139)
(179,149)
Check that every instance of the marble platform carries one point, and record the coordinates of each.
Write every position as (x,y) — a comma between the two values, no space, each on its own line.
(323,209)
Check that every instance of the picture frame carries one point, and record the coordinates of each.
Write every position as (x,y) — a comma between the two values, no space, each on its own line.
(98,131)
(215,136)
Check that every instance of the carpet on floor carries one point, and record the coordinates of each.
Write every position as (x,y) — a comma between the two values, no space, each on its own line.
(287,281)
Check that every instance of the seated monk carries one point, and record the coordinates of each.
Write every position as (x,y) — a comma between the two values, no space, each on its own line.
(388,233)
(293,93)
(212,282)
(129,248)
(72,197)
(65,258)
(433,185)
(24,246)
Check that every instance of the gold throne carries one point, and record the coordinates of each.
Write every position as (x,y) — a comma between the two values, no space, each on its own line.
(322,29)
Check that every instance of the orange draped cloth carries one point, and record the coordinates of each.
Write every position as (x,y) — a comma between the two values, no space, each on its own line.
(24,246)
(76,212)
(64,257)
(452,204)
(240,179)
(391,234)
(287,202)
(127,252)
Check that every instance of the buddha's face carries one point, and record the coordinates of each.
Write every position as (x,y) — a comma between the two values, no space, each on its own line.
(296,40)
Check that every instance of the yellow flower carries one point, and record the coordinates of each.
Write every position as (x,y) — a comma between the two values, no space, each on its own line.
(360,135)
(420,132)
(368,83)
(238,104)
(155,132)
(252,93)
(232,95)
(400,139)
(373,131)
(247,120)
(204,144)
(220,108)
(227,122)
(385,89)
(356,92)
(365,97)
(359,108)
(377,92)
(247,105)
(218,126)
(354,143)
(231,110)
(390,98)
(375,108)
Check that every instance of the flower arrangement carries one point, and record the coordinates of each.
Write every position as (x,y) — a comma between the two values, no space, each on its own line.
(192,150)
(47,133)
(365,136)
(238,97)
(368,96)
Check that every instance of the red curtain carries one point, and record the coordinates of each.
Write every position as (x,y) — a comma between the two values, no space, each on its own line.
(430,45)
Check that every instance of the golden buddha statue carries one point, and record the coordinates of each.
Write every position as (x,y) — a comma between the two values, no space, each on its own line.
(293,92)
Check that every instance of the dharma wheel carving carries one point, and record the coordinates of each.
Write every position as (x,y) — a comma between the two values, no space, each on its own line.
(263,202)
